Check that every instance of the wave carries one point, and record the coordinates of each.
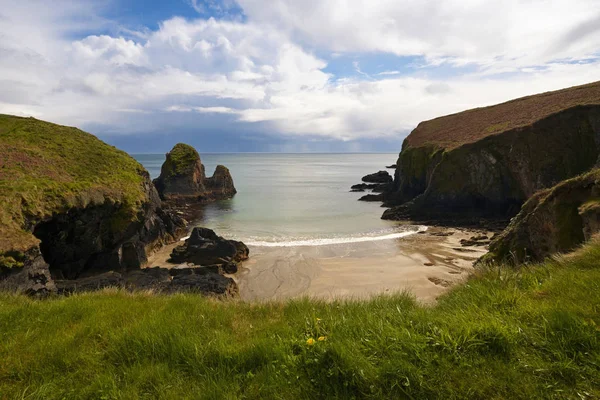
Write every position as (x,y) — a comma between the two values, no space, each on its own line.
(340,240)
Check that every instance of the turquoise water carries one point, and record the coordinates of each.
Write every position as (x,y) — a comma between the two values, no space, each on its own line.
(295,199)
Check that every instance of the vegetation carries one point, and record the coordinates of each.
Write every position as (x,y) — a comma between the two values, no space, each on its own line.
(553,220)
(47,168)
(180,159)
(527,333)
(470,126)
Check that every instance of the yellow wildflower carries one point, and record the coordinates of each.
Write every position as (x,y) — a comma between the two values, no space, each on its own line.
(310,341)
(322,338)
(318,319)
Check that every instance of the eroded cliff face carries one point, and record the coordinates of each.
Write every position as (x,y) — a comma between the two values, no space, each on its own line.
(494,176)
(553,220)
(72,205)
(106,236)
(183,180)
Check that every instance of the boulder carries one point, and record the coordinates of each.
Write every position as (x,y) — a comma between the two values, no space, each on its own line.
(33,279)
(378,177)
(205,247)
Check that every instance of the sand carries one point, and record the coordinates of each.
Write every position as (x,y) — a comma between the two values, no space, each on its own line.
(425,264)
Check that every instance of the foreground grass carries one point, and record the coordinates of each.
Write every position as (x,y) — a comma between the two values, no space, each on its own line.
(532,333)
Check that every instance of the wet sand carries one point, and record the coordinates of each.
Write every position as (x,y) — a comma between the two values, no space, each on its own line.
(425,264)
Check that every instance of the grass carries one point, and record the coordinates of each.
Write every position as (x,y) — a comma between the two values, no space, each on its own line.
(451,131)
(47,168)
(180,159)
(519,334)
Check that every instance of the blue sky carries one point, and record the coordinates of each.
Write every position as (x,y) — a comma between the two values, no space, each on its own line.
(283,75)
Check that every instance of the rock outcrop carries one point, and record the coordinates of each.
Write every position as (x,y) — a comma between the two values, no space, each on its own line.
(378,177)
(204,247)
(84,204)
(183,179)
(552,221)
(487,162)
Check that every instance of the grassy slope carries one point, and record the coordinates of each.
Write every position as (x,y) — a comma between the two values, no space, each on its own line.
(469,126)
(532,333)
(47,168)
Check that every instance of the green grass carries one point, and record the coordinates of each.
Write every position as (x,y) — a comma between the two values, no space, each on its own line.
(505,334)
(47,168)
(181,159)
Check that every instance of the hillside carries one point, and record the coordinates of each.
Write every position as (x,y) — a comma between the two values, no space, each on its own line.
(470,126)
(80,197)
(531,333)
(487,162)
(554,220)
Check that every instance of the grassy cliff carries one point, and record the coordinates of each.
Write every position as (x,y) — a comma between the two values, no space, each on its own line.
(506,334)
(48,169)
(470,126)
(489,161)
(554,220)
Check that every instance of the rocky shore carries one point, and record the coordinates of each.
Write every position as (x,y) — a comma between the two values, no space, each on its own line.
(482,167)
(78,214)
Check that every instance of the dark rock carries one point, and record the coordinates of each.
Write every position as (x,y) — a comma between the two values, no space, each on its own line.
(378,177)
(183,179)
(555,220)
(110,279)
(209,283)
(95,239)
(357,190)
(182,174)
(33,279)
(220,185)
(491,177)
(205,247)
(393,166)
(372,197)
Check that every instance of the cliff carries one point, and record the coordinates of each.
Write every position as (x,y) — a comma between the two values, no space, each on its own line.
(554,220)
(183,178)
(84,204)
(488,161)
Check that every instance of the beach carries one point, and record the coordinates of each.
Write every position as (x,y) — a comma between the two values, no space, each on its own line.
(425,264)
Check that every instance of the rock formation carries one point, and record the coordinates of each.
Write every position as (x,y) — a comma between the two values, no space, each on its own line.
(77,214)
(378,177)
(553,220)
(487,162)
(204,247)
(183,180)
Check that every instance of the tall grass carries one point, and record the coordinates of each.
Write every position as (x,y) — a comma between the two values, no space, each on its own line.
(505,334)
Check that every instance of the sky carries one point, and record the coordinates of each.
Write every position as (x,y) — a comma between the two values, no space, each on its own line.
(283,75)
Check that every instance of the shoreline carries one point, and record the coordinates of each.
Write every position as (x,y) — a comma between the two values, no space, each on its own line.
(426,264)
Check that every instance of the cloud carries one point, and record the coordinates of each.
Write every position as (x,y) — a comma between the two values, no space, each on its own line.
(267,74)
(502,33)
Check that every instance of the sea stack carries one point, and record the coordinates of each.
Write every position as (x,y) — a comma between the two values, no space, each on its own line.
(183,178)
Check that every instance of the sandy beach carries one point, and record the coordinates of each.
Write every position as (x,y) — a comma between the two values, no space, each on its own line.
(425,264)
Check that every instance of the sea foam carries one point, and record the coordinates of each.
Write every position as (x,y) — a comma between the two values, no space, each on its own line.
(331,241)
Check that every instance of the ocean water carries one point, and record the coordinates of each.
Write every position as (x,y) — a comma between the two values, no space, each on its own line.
(289,200)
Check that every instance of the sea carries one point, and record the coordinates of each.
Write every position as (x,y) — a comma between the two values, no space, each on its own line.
(288,200)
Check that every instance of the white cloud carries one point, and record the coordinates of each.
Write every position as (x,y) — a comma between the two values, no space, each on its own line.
(265,72)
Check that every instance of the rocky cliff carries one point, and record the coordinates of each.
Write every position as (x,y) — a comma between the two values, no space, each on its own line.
(553,220)
(487,162)
(83,204)
(183,179)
